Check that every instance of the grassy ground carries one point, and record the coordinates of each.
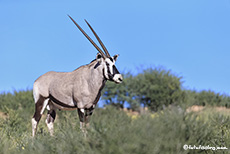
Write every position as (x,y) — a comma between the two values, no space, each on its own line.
(113,131)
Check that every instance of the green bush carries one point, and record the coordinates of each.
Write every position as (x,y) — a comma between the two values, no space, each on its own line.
(154,88)
(206,98)
(21,101)
(157,88)
(119,94)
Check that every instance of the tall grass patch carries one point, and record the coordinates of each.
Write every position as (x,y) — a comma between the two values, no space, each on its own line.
(113,131)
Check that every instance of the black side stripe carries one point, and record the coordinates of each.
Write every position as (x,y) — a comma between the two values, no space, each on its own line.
(53,99)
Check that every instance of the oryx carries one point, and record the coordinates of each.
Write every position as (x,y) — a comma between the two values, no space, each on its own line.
(79,89)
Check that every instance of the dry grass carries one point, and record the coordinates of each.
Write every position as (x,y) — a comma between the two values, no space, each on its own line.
(197,108)
(3,115)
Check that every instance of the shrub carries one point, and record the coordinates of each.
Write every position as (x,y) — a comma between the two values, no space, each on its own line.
(154,88)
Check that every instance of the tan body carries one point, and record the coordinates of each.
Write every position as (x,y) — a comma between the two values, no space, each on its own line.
(78,88)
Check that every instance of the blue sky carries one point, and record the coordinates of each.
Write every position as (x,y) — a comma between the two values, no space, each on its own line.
(191,38)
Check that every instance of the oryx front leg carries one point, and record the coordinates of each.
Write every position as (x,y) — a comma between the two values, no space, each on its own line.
(81,114)
(88,113)
(84,116)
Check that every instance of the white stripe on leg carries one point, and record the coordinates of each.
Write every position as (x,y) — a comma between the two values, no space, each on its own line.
(44,105)
(50,127)
(34,126)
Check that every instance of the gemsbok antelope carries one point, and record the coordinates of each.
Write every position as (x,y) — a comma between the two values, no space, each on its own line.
(79,89)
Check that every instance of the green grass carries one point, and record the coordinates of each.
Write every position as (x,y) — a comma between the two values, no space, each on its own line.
(113,131)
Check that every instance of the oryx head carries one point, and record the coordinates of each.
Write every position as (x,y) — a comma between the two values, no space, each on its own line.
(110,71)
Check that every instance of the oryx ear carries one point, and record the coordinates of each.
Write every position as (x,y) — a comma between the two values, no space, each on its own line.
(115,57)
(98,56)
(99,60)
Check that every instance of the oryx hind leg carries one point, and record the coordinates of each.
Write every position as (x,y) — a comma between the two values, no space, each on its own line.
(41,101)
(50,121)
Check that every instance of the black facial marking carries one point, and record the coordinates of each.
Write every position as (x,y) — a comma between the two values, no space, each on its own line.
(108,71)
(115,71)
(111,59)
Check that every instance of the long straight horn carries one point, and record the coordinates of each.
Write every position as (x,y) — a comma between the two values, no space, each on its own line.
(94,44)
(99,40)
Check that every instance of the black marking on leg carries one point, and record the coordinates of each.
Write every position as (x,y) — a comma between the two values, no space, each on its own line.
(89,111)
(51,116)
(81,115)
(38,108)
